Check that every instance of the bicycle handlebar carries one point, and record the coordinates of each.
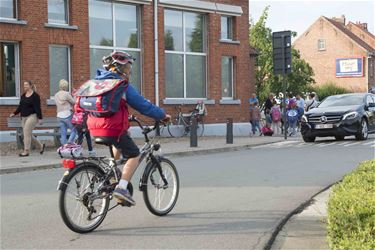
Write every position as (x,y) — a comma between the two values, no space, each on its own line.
(145,129)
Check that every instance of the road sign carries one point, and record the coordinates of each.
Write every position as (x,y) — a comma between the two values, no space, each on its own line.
(282,52)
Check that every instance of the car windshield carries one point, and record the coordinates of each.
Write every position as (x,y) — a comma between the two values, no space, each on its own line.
(342,100)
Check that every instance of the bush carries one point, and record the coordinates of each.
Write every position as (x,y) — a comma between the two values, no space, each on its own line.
(329,89)
(351,210)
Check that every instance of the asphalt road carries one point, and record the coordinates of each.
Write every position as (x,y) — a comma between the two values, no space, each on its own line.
(229,200)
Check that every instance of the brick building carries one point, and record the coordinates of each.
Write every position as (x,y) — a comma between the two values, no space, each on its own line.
(340,53)
(202,50)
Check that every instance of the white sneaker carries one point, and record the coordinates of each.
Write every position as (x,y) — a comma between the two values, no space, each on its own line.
(92,153)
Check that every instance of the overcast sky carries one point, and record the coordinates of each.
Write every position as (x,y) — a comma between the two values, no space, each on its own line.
(299,15)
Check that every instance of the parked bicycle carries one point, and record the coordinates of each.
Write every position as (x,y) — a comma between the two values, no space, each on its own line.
(181,124)
(86,187)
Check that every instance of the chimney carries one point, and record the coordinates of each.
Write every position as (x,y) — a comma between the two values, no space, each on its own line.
(339,19)
(362,25)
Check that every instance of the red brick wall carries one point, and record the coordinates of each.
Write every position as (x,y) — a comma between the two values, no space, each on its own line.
(338,45)
(34,40)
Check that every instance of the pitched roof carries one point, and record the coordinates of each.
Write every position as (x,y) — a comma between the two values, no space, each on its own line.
(359,26)
(347,32)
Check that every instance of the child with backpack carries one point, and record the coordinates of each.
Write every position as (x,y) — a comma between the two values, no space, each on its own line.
(276,117)
(79,121)
(255,119)
(292,118)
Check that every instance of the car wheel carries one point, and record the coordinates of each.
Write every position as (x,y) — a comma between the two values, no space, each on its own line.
(363,132)
(340,137)
(308,139)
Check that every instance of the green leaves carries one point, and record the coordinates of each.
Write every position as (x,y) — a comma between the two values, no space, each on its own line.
(351,210)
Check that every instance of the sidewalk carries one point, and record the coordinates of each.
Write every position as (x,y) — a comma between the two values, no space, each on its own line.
(306,230)
(169,147)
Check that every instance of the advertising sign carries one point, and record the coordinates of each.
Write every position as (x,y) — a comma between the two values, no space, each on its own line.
(349,67)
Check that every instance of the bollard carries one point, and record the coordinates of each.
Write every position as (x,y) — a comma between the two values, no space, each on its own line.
(229,130)
(193,133)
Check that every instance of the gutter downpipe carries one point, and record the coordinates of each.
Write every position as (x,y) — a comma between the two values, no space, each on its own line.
(156,49)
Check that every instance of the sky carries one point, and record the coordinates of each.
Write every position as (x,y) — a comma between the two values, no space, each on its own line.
(298,15)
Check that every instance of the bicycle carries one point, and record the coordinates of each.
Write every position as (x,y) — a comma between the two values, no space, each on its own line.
(180,125)
(86,187)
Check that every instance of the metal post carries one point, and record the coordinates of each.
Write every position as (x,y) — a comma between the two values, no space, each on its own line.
(193,132)
(229,130)
(284,85)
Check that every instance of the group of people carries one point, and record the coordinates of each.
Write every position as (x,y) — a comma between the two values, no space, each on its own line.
(273,109)
(31,114)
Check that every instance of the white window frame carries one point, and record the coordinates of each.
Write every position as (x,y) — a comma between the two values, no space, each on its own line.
(230,30)
(114,47)
(185,54)
(17,74)
(69,68)
(323,43)
(232,79)
(66,15)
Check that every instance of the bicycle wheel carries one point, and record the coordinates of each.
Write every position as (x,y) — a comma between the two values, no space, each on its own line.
(176,128)
(81,207)
(161,199)
(200,128)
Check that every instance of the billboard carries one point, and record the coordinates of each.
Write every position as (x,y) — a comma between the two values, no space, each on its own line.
(349,67)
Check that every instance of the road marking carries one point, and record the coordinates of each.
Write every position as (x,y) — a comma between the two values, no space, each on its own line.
(326,144)
(351,144)
(369,143)
(301,144)
(343,143)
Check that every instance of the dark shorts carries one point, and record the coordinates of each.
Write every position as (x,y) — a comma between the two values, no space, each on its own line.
(126,145)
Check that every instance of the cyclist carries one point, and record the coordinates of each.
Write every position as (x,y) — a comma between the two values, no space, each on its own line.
(114,128)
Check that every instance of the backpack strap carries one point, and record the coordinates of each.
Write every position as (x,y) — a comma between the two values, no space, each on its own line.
(308,107)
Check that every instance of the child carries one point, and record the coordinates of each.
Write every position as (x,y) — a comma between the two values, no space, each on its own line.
(255,119)
(276,117)
(292,118)
(79,121)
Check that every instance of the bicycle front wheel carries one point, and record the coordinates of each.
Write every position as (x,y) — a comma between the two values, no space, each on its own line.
(81,207)
(160,198)
(200,127)
(177,128)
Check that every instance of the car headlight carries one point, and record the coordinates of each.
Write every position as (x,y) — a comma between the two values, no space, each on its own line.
(350,116)
(304,118)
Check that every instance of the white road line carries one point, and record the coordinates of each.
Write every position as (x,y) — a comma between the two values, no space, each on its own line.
(351,144)
(369,143)
(343,143)
(301,144)
(326,144)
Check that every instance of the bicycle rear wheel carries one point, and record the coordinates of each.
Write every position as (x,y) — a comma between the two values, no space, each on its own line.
(81,207)
(176,128)
(161,199)
(200,128)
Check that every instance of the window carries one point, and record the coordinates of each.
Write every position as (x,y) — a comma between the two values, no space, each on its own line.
(185,56)
(58,11)
(8,9)
(114,26)
(321,44)
(59,61)
(371,68)
(227,77)
(226,28)
(9,69)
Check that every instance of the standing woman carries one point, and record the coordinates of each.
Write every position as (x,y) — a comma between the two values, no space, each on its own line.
(64,104)
(31,114)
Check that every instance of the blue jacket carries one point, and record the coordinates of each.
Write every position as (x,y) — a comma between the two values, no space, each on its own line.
(133,98)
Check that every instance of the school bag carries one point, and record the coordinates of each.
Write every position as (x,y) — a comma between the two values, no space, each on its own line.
(266,131)
(101,98)
(276,115)
(292,115)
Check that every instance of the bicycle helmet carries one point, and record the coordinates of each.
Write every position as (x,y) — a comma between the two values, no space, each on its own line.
(122,58)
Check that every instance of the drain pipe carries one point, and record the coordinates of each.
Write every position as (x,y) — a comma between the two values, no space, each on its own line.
(156,48)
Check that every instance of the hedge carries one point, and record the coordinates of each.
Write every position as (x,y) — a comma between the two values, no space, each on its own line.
(329,89)
(351,210)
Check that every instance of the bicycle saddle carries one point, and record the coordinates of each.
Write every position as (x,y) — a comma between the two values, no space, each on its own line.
(103,141)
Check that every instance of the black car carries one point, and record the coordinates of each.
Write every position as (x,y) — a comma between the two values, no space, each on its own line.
(340,116)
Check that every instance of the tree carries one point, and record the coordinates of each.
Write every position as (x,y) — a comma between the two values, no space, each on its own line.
(261,39)
(196,43)
(168,40)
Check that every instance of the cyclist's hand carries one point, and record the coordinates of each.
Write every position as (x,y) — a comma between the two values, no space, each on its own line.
(166,119)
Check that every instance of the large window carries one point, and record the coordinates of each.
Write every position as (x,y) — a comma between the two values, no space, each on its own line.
(226,28)
(227,77)
(58,11)
(114,26)
(59,61)
(9,69)
(8,9)
(185,54)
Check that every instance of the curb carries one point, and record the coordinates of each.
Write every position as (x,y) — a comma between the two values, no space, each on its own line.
(178,154)
(297,210)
